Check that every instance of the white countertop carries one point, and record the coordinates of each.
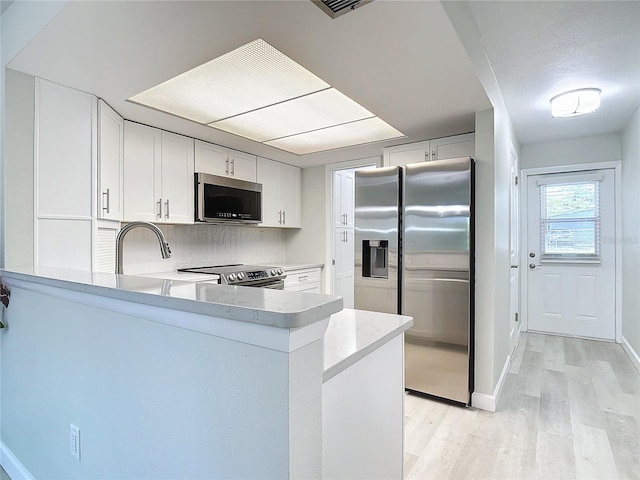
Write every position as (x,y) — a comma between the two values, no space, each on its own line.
(182,276)
(264,306)
(353,334)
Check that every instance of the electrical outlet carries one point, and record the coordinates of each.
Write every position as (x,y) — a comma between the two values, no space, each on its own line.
(74,441)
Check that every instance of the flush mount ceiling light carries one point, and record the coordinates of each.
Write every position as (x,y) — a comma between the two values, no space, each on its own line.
(257,92)
(575,102)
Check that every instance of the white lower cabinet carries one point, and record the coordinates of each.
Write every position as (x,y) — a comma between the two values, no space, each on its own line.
(281,194)
(158,175)
(303,280)
(363,416)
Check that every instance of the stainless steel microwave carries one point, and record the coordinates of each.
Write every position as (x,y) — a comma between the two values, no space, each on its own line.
(227,200)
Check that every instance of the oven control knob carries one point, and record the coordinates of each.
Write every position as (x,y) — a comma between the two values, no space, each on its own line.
(240,275)
(280,271)
(232,277)
(274,272)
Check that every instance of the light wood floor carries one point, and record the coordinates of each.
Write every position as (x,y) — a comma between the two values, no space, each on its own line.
(569,408)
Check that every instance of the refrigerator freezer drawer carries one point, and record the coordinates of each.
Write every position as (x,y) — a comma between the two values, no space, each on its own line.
(438,301)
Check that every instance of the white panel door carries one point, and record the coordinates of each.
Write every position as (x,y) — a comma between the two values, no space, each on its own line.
(177,179)
(453,147)
(110,162)
(142,174)
(343,269)
(571,242)
(290,193)
(242,166)
(212,159)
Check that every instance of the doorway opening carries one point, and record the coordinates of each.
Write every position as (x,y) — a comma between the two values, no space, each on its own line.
(570,259)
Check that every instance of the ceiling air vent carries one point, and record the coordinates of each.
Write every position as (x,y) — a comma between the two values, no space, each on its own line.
(335,8)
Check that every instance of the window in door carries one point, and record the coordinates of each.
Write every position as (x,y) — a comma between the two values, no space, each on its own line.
(570,221)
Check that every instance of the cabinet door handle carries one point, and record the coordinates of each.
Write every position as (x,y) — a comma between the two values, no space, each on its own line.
(160,209)
(166,213)
(284,217)
(433,154)
(233,167)
(105,209)
(227,167)
(279,217)
(303,278)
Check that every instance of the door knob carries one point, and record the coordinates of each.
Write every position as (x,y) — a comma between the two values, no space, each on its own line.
(532,266)
(532,254)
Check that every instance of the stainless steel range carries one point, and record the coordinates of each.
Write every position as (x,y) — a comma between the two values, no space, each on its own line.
(244,275)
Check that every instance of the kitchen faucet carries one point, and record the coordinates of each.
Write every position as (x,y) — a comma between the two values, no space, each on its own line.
(164,246)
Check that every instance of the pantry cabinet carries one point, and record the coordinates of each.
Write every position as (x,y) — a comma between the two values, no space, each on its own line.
(344,262)
(68,230)
(216,160)
(281,193)
(158,175)
(343,198)
(110,162)
(435,149)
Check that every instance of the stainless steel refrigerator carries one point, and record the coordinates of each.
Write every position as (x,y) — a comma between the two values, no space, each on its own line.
(414,256)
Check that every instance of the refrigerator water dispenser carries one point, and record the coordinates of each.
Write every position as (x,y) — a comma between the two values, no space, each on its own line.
(375,258)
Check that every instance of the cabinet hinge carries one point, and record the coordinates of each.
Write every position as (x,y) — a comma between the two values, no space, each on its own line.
(516,316)
(516,180)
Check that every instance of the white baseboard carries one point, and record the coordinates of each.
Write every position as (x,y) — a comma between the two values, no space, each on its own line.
(487,402)
(633,355)
(12,465)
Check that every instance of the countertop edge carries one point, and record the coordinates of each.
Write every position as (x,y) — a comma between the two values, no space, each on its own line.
(355,357)
(285,319)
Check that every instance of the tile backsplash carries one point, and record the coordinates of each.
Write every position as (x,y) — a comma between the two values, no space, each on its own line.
(201,245)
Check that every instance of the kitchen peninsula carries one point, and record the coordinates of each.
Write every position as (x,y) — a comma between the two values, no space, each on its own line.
(171,379)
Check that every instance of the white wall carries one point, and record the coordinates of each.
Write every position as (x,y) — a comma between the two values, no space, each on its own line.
(152,400)
(598,148)
(494,134)
(631,232)
(492,281)
(202,245)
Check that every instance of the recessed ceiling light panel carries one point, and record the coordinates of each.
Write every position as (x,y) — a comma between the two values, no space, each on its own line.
(354,133)
(250,77)
(259,93)
(311,112)
(575,102)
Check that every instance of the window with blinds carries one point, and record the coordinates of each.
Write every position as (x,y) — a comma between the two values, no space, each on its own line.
(570,220)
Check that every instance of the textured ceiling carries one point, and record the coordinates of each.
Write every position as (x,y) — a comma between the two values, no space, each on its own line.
(538,49)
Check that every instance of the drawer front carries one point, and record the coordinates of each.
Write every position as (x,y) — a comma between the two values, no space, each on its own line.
(297,277)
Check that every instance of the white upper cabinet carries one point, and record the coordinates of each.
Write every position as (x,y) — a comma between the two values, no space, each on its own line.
(242,166)
(281,193)
(158,175)
(216,160)
(407,153)
(177,185)
(453,147)
(343,197)
(436,149)
(110,157)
